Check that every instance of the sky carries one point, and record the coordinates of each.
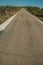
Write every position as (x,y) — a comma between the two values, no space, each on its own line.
(37,3)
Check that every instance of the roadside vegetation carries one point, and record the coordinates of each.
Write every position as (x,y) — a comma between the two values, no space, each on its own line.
(36,11)
(8,11)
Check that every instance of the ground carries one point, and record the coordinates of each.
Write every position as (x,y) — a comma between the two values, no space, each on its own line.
(21,43)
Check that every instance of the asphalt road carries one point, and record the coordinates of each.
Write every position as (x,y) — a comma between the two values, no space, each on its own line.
(21,43)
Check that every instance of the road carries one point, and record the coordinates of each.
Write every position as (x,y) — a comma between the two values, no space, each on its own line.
(21,43)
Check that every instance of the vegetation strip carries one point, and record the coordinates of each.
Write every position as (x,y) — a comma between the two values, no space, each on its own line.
(4,25)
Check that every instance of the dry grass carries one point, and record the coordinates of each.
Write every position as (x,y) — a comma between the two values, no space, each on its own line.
(5,16)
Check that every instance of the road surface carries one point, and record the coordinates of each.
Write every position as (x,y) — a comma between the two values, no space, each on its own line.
(21,43)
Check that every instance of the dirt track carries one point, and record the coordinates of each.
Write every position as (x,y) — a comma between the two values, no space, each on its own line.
(21,43)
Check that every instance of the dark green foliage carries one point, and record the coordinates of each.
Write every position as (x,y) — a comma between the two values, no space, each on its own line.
(35,11)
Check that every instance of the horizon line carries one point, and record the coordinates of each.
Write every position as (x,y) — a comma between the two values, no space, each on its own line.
(21,6)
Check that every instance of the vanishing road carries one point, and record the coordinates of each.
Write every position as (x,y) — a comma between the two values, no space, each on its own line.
(21,43)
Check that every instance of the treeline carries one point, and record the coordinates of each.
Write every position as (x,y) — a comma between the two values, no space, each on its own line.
(36,11)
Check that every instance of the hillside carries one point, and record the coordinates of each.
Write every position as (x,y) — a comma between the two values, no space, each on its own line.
(7,11)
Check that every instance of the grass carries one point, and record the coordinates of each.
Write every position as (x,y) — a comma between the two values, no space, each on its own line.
(7,11)
(4,17)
